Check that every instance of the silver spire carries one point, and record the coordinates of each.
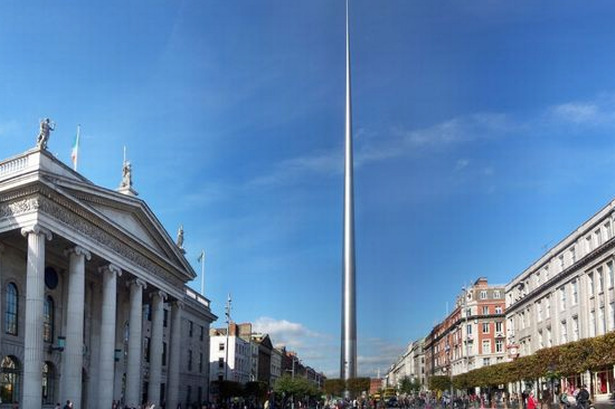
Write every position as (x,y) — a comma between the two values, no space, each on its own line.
(348,364)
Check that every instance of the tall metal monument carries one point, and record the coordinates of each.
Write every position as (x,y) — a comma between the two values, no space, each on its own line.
(348,361)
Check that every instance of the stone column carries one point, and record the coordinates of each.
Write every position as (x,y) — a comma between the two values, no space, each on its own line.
(155,362)
(135,342)
(72,357)
(33,334)
(175,355)
(107,335)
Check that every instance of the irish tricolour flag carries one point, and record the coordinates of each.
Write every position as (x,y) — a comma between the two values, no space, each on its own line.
(74,155)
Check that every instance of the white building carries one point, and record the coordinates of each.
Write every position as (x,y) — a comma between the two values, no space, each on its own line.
(410,364)
(232,349)
(567,294)
(79,266)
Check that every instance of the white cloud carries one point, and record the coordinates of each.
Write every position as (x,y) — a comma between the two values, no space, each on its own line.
(291,334)
(576,112)
(461,165)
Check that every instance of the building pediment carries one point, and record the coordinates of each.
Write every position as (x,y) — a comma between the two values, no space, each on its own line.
(109,220)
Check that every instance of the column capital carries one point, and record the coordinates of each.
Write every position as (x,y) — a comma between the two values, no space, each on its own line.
(160,294)
(137,282)
(36,229)
(178,304)
(112,268)
(78,251)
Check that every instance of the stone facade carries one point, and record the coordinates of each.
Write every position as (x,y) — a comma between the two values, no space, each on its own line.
(94,293)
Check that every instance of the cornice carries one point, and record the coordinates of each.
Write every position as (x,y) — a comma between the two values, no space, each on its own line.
(39,197)
(562,276)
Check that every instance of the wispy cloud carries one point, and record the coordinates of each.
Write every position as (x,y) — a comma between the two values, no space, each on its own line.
(597,111)
(321,350)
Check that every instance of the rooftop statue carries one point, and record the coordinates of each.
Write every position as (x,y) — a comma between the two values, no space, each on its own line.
(43,136)
(180,237)
(126,175)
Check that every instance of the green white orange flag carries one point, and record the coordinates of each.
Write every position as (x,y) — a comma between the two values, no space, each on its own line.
(75,152)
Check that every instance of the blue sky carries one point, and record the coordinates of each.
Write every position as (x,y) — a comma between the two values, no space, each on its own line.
(484,133)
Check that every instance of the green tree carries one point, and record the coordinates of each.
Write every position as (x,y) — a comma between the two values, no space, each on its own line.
(357,385)
(439,383)
(299,388)
(334,387)
(408,386)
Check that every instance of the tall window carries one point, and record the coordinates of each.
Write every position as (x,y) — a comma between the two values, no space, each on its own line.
(562,298)
(547,307)
(190,328)
(48,382)
(573,255)
(201,362)
(486,346)
(485,327)
(498,326)
(499,345)
(601,321)
(541,342)
(592,323)
(485,310)
(164,353)
(9,380)
(575,292)
(549,338)
(563,332)
(498,309)
(590,284)
(496,294)
(609,268)
(575,328)
(561,262)
(483,294)
(12,309)
(190,360)
(48,320)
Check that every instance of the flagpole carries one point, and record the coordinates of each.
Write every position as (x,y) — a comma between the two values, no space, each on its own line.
(202,259)
(76,148)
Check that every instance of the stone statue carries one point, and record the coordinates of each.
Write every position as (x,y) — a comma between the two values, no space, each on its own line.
(43,136)
(180,237)
(126,175)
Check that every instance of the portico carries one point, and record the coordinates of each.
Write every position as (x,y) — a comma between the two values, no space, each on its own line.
(94,267)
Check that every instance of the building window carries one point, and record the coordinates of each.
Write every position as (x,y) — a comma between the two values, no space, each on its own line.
(573,255)
(561,263)
(601,321)
(469,329)
(546,270)
(190,360)
(588,243)
(221,363)
(498,309)
(221,346)
(563,332)
(486,346)
(539,311)
(12,309)
(541,343)
(164,353)
(496,294)
(562,298)
(9,380)
(598,235)
(600,279)
(485,327)
(165,319)
(48,383)
(592,323)
(607,230)
(575,328)
(499,345)
(190,328)
(202,335)
(483,295)
(549,338)
(547,307)
(575,292)
(590,284)
(48,315)
(146,343)
(609,267)
(147,311)
(201,362)
(485,310)
(498,326)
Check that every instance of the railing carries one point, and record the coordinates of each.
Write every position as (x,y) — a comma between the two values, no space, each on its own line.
(197,297)
(14,165)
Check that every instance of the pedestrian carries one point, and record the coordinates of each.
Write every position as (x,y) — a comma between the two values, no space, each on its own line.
(69,405)
(583,397)
(58,406)
(531,401)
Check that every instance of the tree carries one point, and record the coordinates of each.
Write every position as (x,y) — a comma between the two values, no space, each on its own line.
(357,385)
(335,387)
(408,386)
(256,390)
(439,383)
(299,388)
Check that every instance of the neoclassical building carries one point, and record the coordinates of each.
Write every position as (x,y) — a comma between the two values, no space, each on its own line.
(567,294)
(93,299)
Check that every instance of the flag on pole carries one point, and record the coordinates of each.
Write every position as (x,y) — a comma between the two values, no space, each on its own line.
(201,256)
(75,152)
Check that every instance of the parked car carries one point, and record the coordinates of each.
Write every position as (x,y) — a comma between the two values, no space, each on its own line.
(608,403)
